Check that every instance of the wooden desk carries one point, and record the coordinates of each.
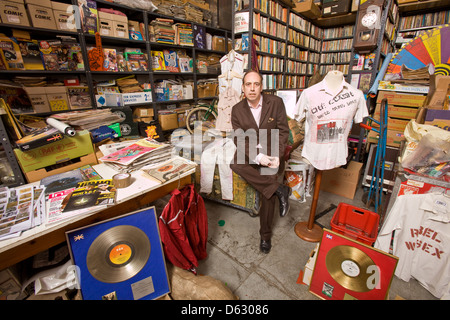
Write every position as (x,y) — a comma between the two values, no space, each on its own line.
(139,194)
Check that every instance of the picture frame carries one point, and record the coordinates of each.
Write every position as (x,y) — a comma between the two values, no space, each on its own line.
(346,269)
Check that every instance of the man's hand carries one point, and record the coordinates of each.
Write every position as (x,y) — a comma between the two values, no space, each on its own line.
(271,162)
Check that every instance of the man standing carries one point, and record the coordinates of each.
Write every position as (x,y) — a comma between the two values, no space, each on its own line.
(261,135)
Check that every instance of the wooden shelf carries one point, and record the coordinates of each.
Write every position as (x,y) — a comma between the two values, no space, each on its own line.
(417,6)
(336,21)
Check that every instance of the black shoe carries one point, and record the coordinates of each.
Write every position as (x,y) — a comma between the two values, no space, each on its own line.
(265,246)
(283,192)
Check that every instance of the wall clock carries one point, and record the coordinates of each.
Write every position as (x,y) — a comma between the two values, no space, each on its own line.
(368,26)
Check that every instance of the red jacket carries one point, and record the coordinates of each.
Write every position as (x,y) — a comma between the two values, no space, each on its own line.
(183,226)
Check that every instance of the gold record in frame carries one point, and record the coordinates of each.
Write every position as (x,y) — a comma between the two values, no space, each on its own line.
(118,254)
(347,266)
(349,269)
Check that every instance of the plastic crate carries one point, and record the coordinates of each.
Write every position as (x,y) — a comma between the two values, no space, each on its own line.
(356,223)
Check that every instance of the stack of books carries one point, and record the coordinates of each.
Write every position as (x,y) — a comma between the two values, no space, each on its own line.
(183,34)
(161,31)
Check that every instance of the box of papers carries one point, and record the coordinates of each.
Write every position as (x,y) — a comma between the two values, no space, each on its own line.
(68,153)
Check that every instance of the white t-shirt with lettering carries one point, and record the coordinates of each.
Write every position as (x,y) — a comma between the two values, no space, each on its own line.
(421,240)
(329,120)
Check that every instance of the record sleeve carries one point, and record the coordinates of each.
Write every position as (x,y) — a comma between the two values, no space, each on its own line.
(346,269)
(120,258)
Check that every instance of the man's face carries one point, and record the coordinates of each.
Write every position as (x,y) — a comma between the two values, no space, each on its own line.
(252,87)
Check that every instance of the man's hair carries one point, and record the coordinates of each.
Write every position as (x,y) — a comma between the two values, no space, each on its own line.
(250,71)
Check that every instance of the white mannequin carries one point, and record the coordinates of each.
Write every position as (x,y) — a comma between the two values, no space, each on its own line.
(334,79)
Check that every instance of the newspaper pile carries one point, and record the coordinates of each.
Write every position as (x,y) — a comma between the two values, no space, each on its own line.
(21,208)
(129,156)
(89,119)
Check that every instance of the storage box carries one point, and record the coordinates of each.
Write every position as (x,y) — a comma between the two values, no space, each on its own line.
(335,8)
(38,99)
(401,99)
(57,98)
(168,121)
(69,153)
(105,23)
(342,182)
(438,118)
(438,93)
(406,113)
(218,43)
(207,90)
(14,13)
(308,9)
(143,112)
(356,223)
(120,26)
(393,138)
(41,17)
(65,18)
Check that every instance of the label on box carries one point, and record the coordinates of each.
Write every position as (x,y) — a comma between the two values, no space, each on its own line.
(136,98)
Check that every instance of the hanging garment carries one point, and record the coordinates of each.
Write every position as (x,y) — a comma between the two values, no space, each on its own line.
(232,71)
(183,226)
(227,100)
(421,240)
(221,152)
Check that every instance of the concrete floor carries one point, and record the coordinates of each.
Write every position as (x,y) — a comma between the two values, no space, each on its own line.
(234,256)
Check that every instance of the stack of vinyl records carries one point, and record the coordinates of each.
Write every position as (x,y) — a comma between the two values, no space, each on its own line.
(131,156)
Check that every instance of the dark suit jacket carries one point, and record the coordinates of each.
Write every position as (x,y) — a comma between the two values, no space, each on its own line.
(273,116)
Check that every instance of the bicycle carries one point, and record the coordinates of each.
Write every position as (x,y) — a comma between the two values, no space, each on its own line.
(202,112)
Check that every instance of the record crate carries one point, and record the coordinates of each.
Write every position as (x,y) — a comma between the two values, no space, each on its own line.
(356,223)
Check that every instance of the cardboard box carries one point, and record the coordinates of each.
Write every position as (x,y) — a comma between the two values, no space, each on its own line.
(42,3)
(401,99)
(335,8)
(57,98)
(14,13)
(142,112)
(438,93)
(73,151)
(105,23)
(207,90)
(218,43)
(397,112)
(168,121)
(64,14)
(438,118)
(393,138)
(41,17)
(38,99)
(120,26)
(307,9)
(342,182)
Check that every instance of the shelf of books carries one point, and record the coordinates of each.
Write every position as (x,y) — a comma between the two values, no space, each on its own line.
(106,52)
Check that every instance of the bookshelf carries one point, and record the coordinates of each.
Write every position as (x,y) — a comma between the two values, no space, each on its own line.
(143,73)
(288,44)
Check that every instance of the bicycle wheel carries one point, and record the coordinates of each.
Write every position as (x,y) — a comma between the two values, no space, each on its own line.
(201,113)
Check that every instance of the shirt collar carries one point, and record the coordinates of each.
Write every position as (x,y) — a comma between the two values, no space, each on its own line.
(259,103)
(324,87)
